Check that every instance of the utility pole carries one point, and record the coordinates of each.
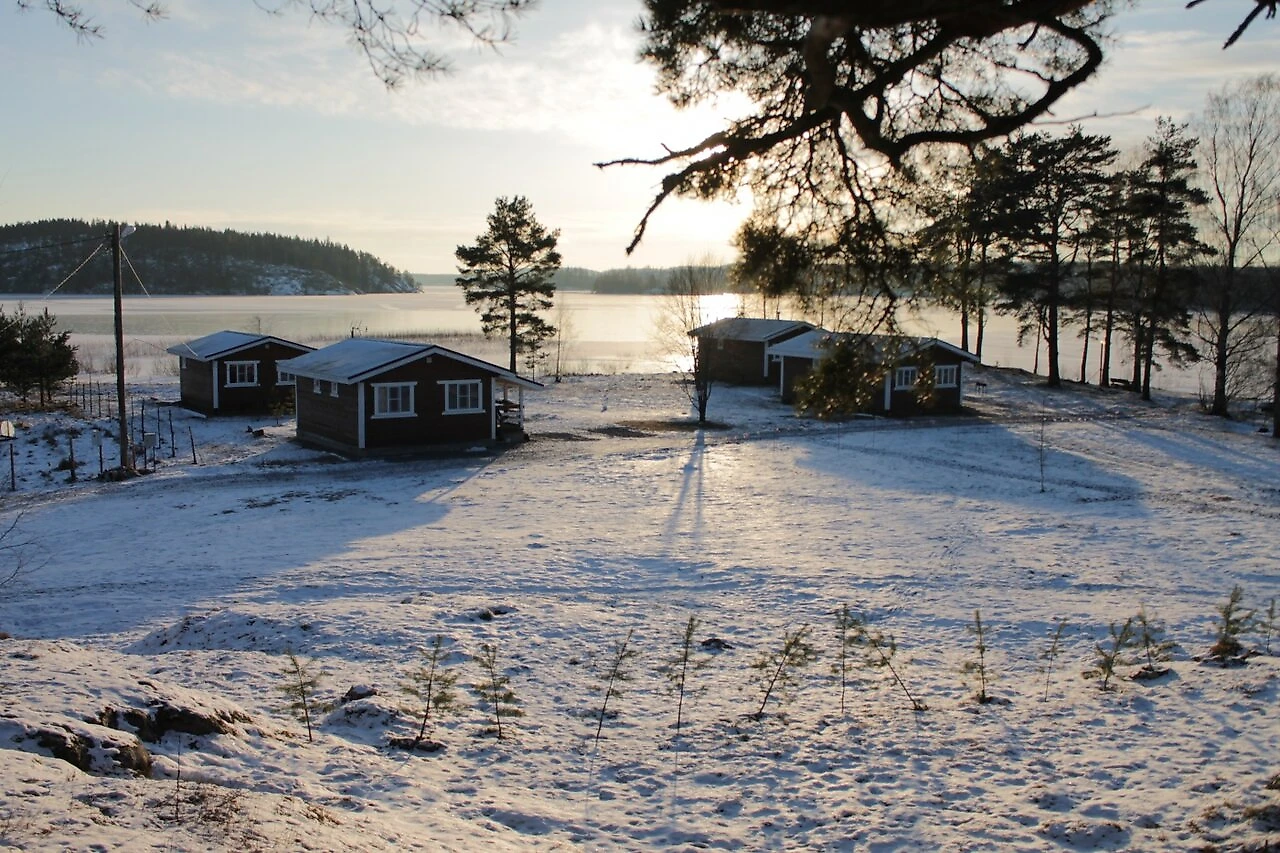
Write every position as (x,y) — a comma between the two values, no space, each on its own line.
(123,425)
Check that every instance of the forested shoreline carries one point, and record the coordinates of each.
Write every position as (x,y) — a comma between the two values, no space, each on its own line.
(73,257)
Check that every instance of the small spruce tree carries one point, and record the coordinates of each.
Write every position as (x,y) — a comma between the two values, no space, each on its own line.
(433,685)
(1109,656)
(494,689)
(300,688)
(1234,620)
(977,667)
(777,670)
(680,668)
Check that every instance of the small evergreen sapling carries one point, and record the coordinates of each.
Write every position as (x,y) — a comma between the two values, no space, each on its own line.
(494,689)
(1267,625)
(1234,621)
(300,687)
(777,670)
(1155,648)
(1110,656)
(849,639)
(977,667)
(880,652)
(682,666)
(1051,652)
(619,673)
(433,685)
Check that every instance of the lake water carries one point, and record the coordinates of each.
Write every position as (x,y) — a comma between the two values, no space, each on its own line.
(606,333)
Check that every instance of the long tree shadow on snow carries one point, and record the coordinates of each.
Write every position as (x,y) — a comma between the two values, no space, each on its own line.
(153,553)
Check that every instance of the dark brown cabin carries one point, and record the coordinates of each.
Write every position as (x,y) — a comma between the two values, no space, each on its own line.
(365,397)
(916,375)
(235,373)
(734,350)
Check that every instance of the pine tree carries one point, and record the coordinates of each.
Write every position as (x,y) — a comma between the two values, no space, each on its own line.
(978,666)
(300,687)
(1050,654)
(619,673)
(1115,654)
(1233,621)
(508,275)
(849,638)
(1155,648)
(777,670)
(682,666)
(494,689)
(433,685)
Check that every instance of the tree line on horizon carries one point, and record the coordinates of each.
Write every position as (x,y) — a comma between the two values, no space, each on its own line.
(37,257)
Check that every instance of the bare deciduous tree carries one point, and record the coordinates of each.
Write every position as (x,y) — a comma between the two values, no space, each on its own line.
(17,551)
(684,308)
(1240,147)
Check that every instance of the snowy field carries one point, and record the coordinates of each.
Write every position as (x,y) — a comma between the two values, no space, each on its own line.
(168,606)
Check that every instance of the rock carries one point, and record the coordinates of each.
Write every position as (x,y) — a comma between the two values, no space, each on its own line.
(92,748)
(164,716)
(358,691)
(715,644)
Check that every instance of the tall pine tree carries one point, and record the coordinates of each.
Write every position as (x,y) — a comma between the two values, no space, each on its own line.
(508,275)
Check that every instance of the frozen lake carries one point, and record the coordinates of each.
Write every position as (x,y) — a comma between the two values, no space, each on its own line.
(606,333)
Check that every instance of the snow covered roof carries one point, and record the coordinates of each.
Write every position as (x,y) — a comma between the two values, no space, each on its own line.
(357,359)
(812,345)
(748,328)
(225,343)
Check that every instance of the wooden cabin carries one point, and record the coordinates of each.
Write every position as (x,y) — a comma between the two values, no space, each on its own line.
(362,397)
(734,350)
(236,373)
(915,375)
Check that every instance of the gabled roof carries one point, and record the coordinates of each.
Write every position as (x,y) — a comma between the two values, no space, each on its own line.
(751,329)
(221,344)
(813,345)
(357,359)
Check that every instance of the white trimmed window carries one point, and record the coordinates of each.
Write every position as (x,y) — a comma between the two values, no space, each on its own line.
(393,400)
(905,377)
(182,362)
(317,386)
(333,389)
(463,397)
(946,375)
(242,374)
(284,377)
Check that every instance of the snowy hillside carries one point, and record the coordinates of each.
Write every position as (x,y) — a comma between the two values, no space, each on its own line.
(154,620)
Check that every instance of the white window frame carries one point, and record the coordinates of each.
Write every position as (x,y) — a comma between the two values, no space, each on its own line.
(946,375)
(382,399)
(317,386)
(284,377)
(905,377)
(333,389)
(234,367)
(452,392)
(182,362)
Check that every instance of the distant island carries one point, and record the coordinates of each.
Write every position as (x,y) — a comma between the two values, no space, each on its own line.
(36,257)
(621,280)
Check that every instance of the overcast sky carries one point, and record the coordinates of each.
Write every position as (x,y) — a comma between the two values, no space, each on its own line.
(224,116)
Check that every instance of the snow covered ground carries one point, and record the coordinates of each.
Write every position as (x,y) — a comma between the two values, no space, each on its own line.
(173,601)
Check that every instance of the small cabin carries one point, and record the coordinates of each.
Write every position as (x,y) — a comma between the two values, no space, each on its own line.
(372,397)
(734,350)
(914,375)
(236,373)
